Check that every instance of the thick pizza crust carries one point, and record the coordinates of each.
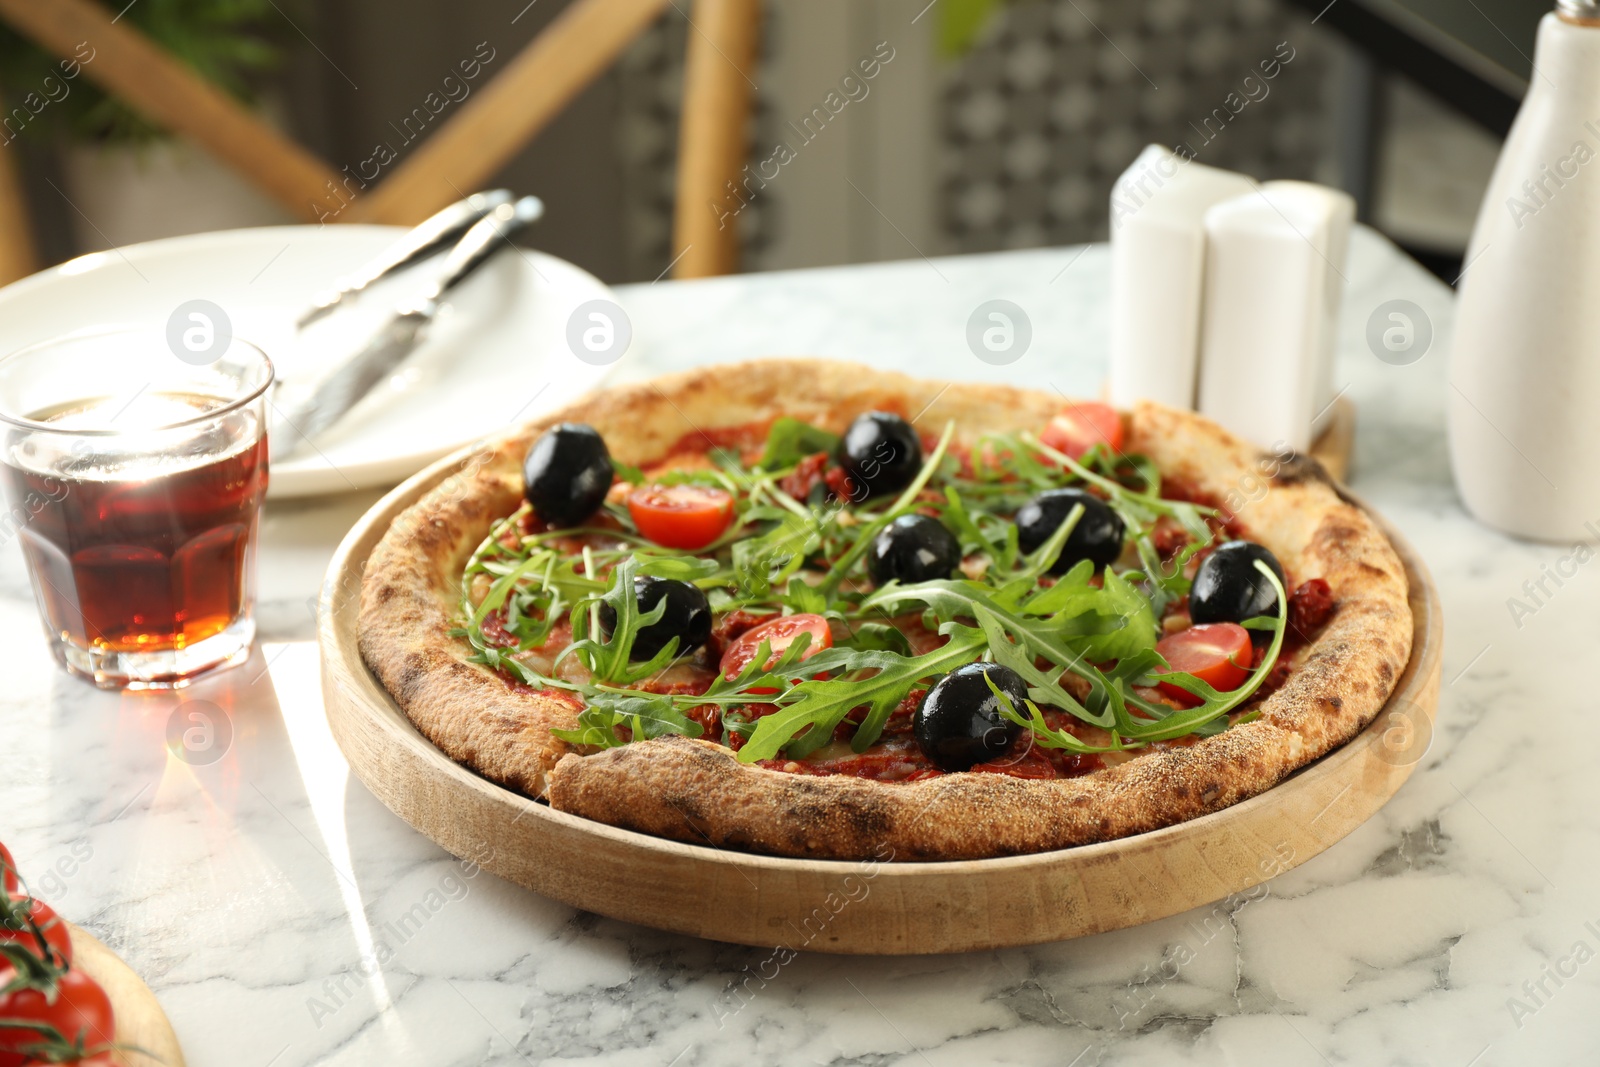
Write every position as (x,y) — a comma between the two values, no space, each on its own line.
(697,791)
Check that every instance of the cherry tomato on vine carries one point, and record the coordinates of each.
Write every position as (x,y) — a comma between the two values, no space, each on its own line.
(1080,426)
(45,918)
(1217,653)
(81,1014)
(681,516)
(779,635)
(8,871)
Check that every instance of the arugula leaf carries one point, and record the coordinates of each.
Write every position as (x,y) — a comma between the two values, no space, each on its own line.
(773,558)
(1214,704)
(1070,625)
(683,568)
(644,715)
(882,636)
(1166,583)
(1066,623)
(874,679)
(790,440)
(608,658)
(1162,723)
(1140,507)
(966,530)
(1041,559)
(626,472)
(1073,597)
(804,598)
(1043,734)
(1042,684)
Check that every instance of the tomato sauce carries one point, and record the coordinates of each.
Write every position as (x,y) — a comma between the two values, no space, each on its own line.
(1225,524)
(494,629)
(1169,538)
(565,696)
(895,756)
(680,679)
(900,760)
(747,439)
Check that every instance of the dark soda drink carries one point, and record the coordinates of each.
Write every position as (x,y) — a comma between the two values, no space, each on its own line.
(132,550)
(133,462)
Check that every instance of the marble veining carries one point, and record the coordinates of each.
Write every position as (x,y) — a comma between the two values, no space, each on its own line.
(286,918)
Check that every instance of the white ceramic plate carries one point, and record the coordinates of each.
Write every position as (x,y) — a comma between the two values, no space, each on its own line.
(497,355)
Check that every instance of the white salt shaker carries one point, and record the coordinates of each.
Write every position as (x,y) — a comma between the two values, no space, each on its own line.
(1274,277)
(1525,363)
(1158,209)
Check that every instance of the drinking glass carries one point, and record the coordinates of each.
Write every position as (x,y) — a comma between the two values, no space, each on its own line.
(133,468)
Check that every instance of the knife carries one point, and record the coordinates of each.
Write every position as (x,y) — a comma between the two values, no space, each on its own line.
(426,238)
(339,390)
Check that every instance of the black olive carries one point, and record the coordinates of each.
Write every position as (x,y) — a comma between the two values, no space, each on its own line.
(1097,537)
(688,617)
(959,723)
(913,548)
(567,474)
(1228,588)
(880,452)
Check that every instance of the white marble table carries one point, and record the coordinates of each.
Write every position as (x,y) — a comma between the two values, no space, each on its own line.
(253,892)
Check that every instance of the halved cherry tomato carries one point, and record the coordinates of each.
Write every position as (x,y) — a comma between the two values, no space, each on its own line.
(8,872)
(81,1013)
(15,928)
(1080,426)
(1218,653)
(680,516)
(779,634)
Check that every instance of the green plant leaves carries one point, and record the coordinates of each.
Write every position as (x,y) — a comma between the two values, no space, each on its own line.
(876,680)
(790,440)
(644,716)
(226,42)
(961,23)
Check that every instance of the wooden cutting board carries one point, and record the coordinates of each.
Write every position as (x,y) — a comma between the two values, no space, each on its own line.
(1333,447)
(871,909)
(141,1024)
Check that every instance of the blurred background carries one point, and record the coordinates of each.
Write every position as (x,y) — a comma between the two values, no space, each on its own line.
(991,124)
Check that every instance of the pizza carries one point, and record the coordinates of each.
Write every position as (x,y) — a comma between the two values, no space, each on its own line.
(813,609)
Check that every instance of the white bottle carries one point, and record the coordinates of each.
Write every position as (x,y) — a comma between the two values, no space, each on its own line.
(1274,275)
(1525,365)
(1158,245)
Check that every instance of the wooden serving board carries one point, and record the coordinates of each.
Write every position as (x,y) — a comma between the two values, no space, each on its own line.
(1333,446)
(850,907)
(141,1024)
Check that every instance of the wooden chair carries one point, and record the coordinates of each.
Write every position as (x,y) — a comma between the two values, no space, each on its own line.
(463,154)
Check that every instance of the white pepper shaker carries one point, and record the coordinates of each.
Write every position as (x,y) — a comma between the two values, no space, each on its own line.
(1274,278)
(1158,245)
